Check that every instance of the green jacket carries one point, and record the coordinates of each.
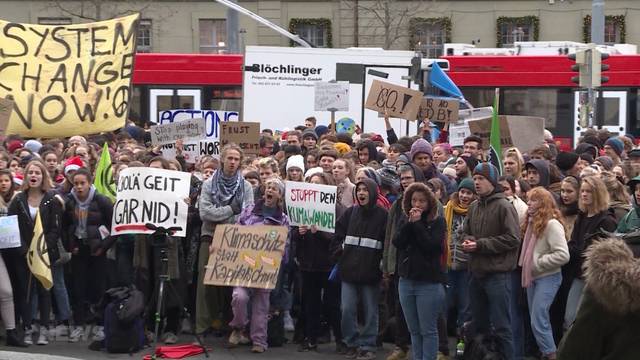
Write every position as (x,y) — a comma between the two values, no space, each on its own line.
(629,222)
(607,326)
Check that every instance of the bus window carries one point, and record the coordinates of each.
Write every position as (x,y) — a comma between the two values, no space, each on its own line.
(555,105)
(226,99)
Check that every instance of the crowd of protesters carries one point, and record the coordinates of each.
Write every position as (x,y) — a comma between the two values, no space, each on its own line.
(431,242)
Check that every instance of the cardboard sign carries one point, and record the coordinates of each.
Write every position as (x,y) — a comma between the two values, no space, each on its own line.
(9,232)
(311,204)
(246,256)
(331,95)
(191,129)
(457,134)
(242,133)
(193,150)
(401,102)
(440,109)
(523,132)
(148,195)
(68,79)
(6,107)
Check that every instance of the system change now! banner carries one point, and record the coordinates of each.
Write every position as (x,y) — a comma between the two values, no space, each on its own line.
(67,79)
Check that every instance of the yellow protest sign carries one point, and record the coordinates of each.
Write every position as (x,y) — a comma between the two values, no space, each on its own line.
(67,79)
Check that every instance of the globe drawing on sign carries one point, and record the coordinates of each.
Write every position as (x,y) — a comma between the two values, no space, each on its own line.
(346,125)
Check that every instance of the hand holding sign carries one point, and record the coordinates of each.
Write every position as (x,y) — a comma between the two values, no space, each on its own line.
(400,102)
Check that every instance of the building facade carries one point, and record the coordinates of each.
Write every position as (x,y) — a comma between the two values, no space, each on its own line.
(200,26)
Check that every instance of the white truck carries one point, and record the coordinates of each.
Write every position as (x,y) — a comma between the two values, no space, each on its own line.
(279,84)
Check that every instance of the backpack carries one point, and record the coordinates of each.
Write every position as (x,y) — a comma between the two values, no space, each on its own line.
(122,336)
(275,330)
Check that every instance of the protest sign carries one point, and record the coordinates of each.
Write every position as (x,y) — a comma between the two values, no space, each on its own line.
(242,133)
(401,102)
(6,107)
(523,132)
(193,150)
(457,134)
(246,256)
(311,204)
(149,195)
(331,95)
(191,129)
(9,232)
(440,109)
(68,79)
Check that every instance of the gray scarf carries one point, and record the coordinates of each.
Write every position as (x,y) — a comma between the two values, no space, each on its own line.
(226,189)
(82,212)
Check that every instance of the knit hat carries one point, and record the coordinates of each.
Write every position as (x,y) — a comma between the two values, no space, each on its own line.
(342,148)
(321,130)
(18,178)
(616,144)
(14,145)
(566,160)
(606,162)
(421,146)
(295,161)
(488,171)
(309,133)
(403,158)
(635,153)
(73,163)
(389,178)
(470,161)
(587,148)
(468,184)
(312,171)
(33,145)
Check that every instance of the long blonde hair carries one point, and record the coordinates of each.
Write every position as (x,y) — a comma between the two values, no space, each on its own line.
(46,178)
(599,194)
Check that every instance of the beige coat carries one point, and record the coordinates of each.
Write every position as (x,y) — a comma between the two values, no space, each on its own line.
(550,251)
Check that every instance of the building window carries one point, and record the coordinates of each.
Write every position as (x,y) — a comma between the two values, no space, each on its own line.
(213,36)
(316,32)
(144,36)
(54,21)
(614,29)
(512,29)
(429,35)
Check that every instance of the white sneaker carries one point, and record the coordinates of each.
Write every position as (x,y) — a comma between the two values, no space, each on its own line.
(77,334)
(61,332)
(28,336)
(98,333)
(42,337)
(169,338)
(288,322)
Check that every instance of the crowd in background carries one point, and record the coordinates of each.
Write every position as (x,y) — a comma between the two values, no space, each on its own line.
(431,242)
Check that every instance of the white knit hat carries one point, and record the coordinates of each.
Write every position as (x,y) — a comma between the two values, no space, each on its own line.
(312,171)
(296,161)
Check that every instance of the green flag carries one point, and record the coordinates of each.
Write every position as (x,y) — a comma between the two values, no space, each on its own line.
(104,179)
(495,151)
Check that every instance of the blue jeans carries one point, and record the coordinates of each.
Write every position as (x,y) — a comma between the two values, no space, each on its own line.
(365,339)
(517,314)
(458,295)
(490,298)
(540,295)
(422,302)
(59,292)
(573,302)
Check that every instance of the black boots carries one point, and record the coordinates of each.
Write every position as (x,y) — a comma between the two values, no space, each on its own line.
(14,339)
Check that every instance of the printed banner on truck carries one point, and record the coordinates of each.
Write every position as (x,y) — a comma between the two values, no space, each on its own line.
(246,256)
(311,204)
(68,79)
(148,195)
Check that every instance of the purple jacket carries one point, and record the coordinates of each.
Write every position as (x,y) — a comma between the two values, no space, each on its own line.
(253,215)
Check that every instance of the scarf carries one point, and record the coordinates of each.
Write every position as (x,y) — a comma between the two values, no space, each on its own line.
(526,256)
(226,189)
(452,208)
(82,212)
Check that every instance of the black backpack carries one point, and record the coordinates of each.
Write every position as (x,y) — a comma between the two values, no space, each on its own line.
(275,330)
(121,336)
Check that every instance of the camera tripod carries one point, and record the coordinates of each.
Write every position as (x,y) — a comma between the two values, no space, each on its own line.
(163,236)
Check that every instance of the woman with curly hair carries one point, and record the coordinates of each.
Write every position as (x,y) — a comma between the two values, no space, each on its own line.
(544,251)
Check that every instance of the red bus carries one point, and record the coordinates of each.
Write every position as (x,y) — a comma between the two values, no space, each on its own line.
(529,85)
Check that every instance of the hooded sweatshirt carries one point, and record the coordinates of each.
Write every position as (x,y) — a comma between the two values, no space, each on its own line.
(359,240)
(631,221)
(542,166)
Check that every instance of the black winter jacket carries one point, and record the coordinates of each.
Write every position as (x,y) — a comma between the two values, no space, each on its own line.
(419,247)
(50,215)
(100,213)
(312,251)
(360,240)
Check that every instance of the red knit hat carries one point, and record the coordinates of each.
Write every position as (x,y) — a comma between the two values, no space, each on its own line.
(14,145)
(18,178)
(73,163)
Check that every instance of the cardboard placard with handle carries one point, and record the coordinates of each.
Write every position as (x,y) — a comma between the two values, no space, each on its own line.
(242,133)
(523,132)
(439,109)
(399,101)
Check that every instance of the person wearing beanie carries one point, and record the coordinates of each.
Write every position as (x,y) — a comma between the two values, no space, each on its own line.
(634,156)
(14,145)
(295,168)
(72,164)
(421,155)
(605,162)
(314,170)
(321,130)
(567,162)
(342,148)
(455,213)
(464,166)
(492,239)
(614,148)
(309,140)
(586,148)
(33,145)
